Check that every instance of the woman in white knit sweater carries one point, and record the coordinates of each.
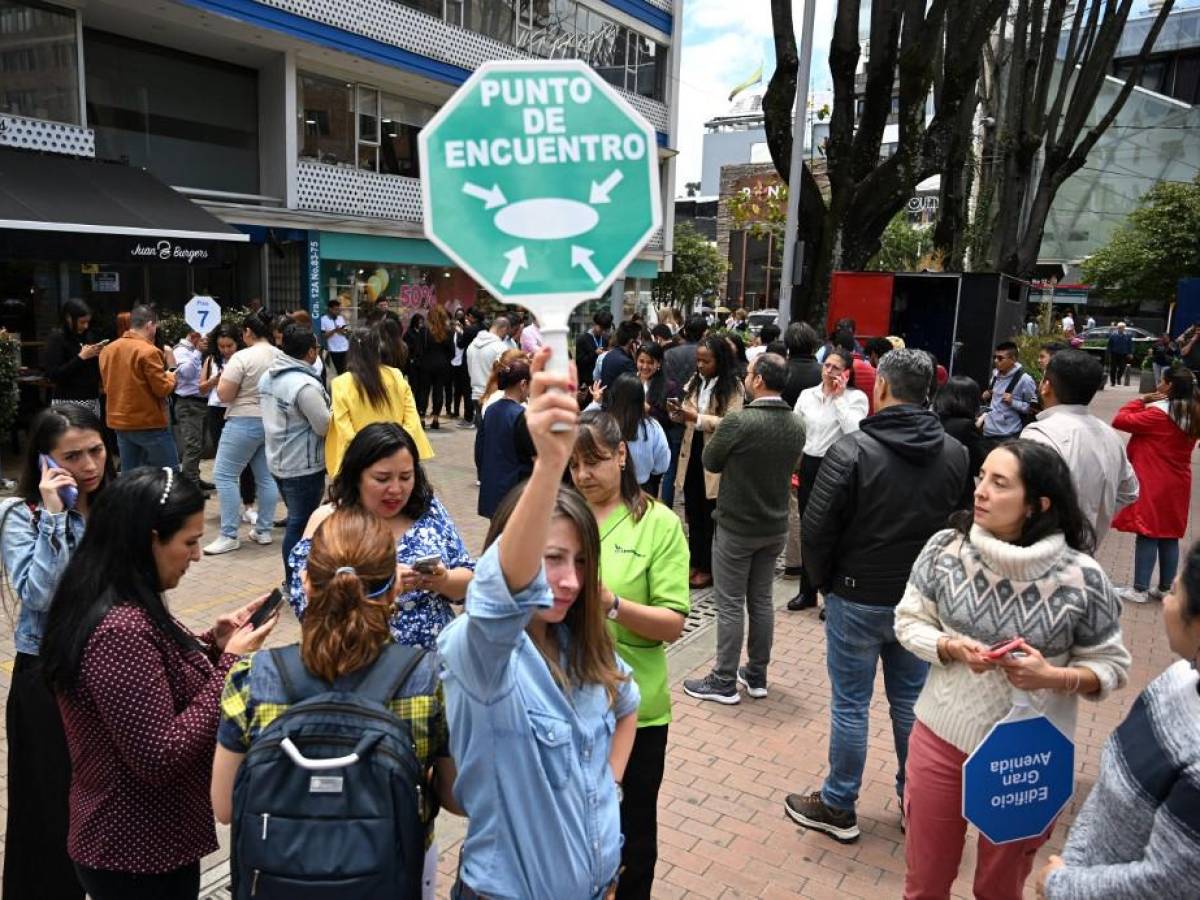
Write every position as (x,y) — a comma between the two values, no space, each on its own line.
(1018,567)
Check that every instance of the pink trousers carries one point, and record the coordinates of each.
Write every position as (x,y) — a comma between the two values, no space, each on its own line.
(936,830)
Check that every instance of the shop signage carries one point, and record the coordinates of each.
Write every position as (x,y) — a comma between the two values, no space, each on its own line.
(106,282)
(202,314)
(542,183)
(1019,777)
(168,251)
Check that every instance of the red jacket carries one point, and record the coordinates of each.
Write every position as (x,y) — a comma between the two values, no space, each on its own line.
(1161,454)
(864,380)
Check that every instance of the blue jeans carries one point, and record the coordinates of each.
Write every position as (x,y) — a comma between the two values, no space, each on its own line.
(243,444)
(1146,550)
(302,495)
(857,635)
(151,447)
(674,441)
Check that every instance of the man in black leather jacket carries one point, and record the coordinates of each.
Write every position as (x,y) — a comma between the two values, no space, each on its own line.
(880,495)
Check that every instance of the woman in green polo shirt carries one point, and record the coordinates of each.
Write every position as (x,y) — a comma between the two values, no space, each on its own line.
(644,570)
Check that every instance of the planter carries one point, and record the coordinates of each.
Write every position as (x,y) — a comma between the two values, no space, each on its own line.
(1146,385)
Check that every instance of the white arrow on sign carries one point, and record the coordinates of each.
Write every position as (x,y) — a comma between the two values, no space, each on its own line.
(491,199)
(516,262)
(582,257)
(600,192)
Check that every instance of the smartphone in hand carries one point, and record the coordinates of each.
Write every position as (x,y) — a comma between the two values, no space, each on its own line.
(68,494)
(264,612)
(1001,649)
(426,565)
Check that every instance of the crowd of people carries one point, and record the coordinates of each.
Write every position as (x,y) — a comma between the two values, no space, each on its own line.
(929,517)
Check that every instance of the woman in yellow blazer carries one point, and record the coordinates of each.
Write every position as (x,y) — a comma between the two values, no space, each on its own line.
(368,392)
(711,393)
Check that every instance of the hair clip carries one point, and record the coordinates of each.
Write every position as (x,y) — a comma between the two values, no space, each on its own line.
(345,570)
(170,483)
(350,570)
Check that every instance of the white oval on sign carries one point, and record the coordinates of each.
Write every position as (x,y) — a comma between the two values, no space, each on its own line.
(546,218)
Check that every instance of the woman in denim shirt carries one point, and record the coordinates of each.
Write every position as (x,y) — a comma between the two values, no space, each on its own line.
(542,712)
(38,533)
(382,474)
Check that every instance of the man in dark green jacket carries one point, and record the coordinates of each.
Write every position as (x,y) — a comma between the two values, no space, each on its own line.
(755,449)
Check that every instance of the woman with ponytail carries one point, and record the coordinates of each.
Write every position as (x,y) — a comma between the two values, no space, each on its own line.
(138,691)
(351,584)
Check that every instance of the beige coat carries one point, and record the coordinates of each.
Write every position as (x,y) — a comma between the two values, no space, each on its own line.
(707,422)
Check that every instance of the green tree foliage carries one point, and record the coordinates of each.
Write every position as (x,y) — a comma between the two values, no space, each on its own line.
(697,270)
(1158,245)
(902,247)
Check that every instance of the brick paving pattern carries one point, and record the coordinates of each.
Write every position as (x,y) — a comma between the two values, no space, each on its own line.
(723,833)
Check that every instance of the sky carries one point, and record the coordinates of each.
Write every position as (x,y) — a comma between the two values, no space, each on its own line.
(723,43)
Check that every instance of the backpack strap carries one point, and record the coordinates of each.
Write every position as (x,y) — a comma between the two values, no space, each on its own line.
(389,672)
(298,683)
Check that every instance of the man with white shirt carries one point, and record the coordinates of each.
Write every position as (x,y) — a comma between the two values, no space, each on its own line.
(1093,451)
(762,340)
(334,331)
(191,410)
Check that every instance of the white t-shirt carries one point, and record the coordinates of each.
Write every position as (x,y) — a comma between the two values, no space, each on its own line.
(1068,324)
(244,369)
(335,343)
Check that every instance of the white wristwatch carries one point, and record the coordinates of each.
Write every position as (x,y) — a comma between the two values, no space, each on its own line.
(612,613)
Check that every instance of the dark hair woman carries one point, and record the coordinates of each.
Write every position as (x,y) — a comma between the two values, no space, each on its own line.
(1027,538)
(392,349)
(830,411)
(503,450)
(1164,426)
(645,441)
(138,691)
(369,391)
(416,336)
(71,358)
(435,365)
(66,459)
(644,568)
(1128,841)
(712,392)
(382,474)
(957,404)
(351,587)
(223,342)
(532,657)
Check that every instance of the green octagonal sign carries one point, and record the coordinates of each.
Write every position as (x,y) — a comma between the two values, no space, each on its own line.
(540,181)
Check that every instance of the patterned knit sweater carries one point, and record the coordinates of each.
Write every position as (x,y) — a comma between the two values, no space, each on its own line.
(1057,599)
(1138,834)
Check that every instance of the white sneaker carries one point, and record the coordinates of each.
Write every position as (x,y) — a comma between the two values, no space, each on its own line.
(222,545)
(250,516)
(261,537)
(1129,595)
(1156,594)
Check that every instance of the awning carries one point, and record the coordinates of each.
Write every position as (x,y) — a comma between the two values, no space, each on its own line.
(58,207)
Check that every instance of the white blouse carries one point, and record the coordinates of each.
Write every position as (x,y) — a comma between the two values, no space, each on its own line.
(827,418)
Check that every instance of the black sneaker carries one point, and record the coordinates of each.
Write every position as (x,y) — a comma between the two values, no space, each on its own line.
(802,601)
(206,485)
(756,689)
(709,688)
(791,573)
(810,811)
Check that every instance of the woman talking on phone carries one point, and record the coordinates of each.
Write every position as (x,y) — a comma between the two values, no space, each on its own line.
(66,468)
(138,692)
(1008,600)
(830,411)
(542,711)
(381,473)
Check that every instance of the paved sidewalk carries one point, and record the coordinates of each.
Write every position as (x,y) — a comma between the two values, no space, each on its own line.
(723,833)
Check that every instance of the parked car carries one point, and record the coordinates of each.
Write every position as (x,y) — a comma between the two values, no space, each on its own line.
(1095,340)
(760,317)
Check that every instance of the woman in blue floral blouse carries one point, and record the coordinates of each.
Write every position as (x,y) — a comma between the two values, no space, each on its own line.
(381,473)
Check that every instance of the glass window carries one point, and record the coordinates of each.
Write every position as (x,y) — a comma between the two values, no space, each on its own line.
(553,28)
(368,127)
(326,120)
(429,7)
(403,120)
(495,18)
(39,62)
(191,121)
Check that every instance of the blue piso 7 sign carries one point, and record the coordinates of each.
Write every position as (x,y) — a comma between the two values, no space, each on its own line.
(1018,779)
(541,181)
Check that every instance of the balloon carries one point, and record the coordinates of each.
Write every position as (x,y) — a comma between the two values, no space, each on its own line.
(382,275)
(374,288)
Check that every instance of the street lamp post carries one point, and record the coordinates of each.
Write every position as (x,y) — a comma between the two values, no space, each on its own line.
(799,135)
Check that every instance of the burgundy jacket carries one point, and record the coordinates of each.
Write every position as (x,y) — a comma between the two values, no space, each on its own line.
(141,725)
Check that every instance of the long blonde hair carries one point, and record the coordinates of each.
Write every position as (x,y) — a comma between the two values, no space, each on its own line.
(351,585)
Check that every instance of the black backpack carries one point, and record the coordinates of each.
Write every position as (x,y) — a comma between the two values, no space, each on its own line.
(327,802)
